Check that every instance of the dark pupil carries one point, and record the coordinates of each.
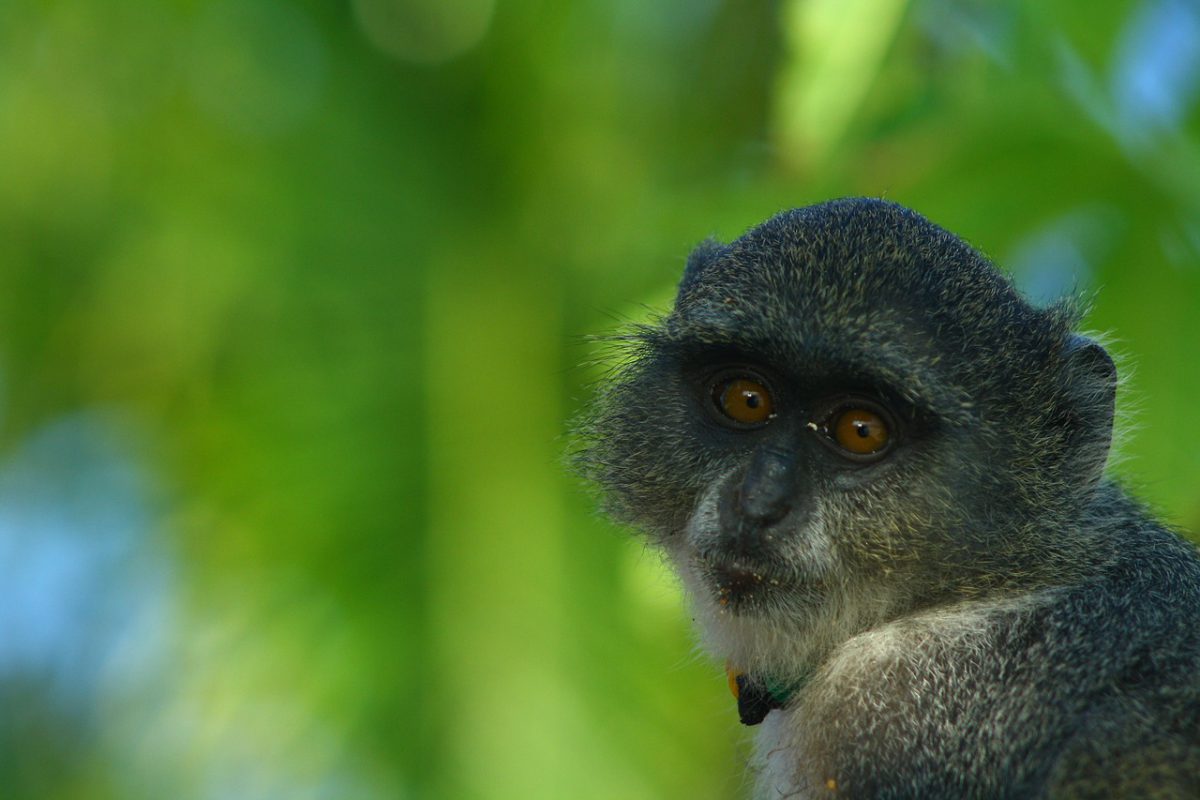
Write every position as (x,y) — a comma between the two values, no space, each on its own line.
(863,429)
(752,399)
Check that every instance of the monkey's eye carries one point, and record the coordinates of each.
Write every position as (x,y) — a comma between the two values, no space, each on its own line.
(860,431)
(744,400)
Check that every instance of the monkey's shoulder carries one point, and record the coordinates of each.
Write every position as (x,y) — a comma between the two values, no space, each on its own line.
(1002,697)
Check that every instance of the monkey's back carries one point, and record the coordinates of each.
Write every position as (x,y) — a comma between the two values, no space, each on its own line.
(1126,650)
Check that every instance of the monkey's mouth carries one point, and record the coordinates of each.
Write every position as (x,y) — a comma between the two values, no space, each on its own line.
(741,586)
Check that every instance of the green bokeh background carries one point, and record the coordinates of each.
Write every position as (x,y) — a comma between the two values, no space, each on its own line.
(294,299)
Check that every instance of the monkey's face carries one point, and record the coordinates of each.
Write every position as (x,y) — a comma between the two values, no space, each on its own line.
(806,467)
(847,412)
(787,466)
(790,494)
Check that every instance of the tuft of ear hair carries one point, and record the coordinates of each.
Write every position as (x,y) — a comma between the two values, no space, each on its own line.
(1089,406)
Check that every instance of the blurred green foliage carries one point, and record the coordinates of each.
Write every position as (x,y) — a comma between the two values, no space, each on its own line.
(293,298)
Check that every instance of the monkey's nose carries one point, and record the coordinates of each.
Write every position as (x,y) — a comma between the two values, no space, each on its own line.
(768,485)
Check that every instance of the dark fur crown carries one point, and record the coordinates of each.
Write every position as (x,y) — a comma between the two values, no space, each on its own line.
(849,268)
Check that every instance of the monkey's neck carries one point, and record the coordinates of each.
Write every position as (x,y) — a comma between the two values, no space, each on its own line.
(757,695)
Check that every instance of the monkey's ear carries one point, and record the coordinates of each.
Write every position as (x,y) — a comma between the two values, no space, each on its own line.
(698,262)
(1091,383)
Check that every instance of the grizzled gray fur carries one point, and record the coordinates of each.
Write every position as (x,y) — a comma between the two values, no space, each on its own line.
(880,475)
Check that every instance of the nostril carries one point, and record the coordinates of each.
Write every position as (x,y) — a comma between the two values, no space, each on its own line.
(763,507)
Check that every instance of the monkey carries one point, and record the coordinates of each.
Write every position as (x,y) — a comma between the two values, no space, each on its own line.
(880,475)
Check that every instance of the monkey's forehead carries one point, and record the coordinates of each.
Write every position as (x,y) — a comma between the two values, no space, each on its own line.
(935,350)
(789,308)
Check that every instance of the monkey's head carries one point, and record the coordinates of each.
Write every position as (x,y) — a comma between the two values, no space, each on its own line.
(850,413)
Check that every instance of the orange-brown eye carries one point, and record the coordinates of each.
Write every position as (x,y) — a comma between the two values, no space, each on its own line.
(744,400)
(860,431)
